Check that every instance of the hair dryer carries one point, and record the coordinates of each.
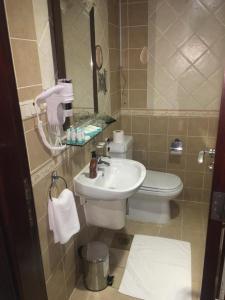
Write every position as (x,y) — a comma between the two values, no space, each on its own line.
(59,106)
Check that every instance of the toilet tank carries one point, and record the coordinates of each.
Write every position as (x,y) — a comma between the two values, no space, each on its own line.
(122,150)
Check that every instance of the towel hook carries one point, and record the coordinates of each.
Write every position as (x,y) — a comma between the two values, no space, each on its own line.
(54,178)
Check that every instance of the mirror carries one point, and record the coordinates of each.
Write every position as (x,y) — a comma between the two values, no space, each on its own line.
(78,26)
(77,52)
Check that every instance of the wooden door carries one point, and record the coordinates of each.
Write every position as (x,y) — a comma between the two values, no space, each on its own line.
(19,242)
(215,244)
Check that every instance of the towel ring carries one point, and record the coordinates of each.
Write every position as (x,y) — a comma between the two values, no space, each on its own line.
(54,178)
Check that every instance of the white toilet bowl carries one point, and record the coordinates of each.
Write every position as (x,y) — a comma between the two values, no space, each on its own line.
(152,201)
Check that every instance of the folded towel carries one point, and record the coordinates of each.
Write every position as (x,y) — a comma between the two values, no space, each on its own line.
(63,217)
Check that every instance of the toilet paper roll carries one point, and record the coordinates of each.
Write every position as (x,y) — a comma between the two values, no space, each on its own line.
(118,136)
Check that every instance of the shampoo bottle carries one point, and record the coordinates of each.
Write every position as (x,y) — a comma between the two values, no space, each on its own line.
(93,165)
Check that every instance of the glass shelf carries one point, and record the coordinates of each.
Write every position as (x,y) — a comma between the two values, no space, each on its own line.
(91,125)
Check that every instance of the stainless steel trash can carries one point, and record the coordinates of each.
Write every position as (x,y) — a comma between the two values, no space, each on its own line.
(95,256)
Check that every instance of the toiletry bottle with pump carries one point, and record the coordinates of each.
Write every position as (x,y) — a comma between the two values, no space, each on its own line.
(93,165)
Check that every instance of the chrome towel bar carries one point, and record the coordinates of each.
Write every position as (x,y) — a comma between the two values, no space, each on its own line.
(54,178)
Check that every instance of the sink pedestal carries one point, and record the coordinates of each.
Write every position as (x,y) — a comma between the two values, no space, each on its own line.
(106,214)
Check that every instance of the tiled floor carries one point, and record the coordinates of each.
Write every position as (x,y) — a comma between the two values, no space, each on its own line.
(189,224)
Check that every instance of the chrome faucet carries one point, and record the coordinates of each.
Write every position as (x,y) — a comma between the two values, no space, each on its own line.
(101,161)
(102,148)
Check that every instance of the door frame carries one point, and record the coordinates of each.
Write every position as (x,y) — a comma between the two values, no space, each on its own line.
(17,211)
(215,246)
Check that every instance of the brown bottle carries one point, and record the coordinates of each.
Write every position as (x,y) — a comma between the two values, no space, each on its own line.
(93,165)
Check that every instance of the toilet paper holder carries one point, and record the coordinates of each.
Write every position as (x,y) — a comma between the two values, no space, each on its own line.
(176,147)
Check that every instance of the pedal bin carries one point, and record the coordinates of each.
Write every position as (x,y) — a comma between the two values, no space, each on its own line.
(95,256)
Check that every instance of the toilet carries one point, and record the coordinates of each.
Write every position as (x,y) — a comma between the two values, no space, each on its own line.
(151,203)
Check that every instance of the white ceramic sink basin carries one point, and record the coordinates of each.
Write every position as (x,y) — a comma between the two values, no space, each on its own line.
(118,181)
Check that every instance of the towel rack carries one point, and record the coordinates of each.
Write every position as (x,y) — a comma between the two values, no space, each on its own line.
(54,178)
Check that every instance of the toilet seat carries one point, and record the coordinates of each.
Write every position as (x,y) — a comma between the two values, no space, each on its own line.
(160,183)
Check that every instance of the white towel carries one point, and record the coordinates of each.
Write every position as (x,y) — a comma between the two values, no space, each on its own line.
(63,217)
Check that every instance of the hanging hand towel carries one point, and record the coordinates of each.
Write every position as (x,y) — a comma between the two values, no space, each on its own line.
(63,217)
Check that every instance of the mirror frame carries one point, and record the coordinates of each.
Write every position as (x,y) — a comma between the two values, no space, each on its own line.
(55,21)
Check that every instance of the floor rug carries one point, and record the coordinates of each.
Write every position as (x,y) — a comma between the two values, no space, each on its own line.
(158,269)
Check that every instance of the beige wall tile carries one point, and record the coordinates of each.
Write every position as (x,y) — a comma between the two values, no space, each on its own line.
(138,13)
(140,124)
(193,180)
(26,63)
(207,181)
(113,36)
(195,144)
(137,79)
(113,12)
(213,125)
(124,99)
(140,156)
(177,126)
(115,102)
(29,124)
(29,92)
(197,126)
(134,59)
(56,288)
(51,258)
(81,215)
(138,37)
(140,141)
(37,152)
(157,160)
(45,235)
(193,165)
(114,59)
(124,14)
(137,98)
(206,196)
(157,143)
(126,124)
(20,19)
(179,173)
(69,261)
(211,142)
(125,59)
(158,125)
(40,191)
(114,82)
(125,37)
(193,194)
(71,283)
(176,162)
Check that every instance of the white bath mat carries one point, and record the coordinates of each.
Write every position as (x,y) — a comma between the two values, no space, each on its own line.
(158,269)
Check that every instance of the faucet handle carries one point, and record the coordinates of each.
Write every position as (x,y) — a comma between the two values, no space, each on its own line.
(211,152)
(102,148)
(201,156)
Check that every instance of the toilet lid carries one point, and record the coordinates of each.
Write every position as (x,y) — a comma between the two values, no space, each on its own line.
(155,180)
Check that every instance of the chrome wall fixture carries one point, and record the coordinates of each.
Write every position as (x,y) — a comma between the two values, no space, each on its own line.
(176,147)
(211,153)
(54,178)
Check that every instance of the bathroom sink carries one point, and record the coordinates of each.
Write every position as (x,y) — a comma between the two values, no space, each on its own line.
(120,180)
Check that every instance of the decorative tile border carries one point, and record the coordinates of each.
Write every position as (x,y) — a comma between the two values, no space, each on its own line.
(175,113)
(49,166)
